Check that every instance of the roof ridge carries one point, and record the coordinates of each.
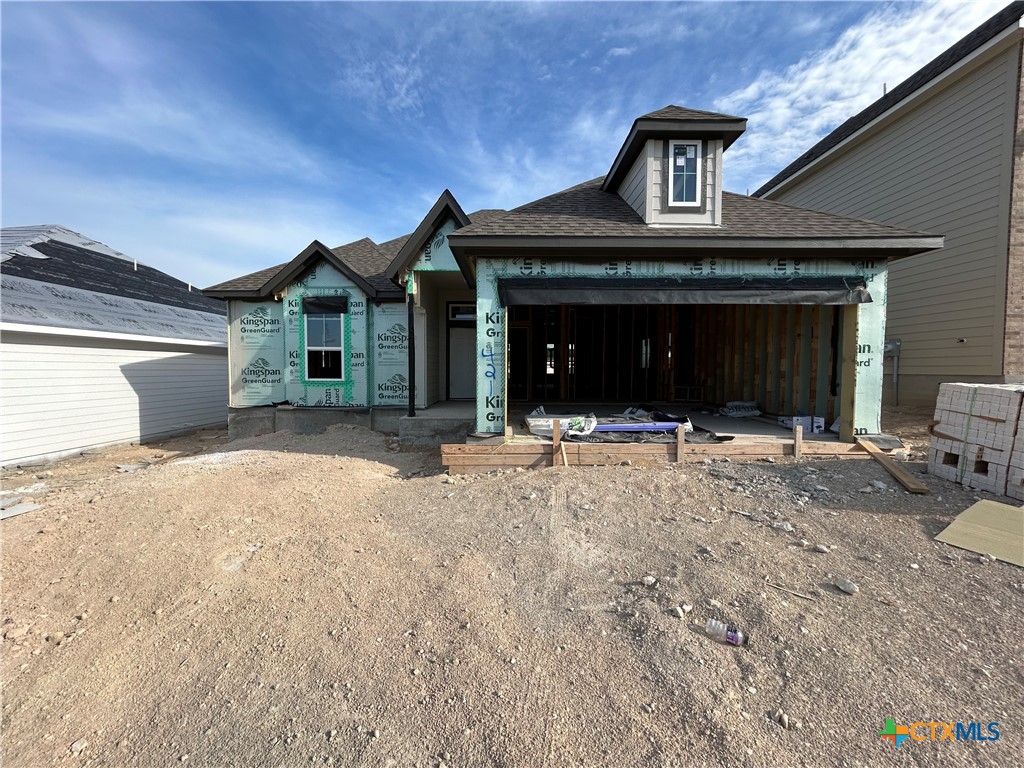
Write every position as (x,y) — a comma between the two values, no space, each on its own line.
(655,114)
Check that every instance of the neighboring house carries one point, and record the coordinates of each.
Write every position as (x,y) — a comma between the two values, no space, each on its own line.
(649,284)
(943,152)
(96,348)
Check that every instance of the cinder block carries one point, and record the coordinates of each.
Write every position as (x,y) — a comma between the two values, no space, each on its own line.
(1015,483)
(983,468)
(1001,402)
(944,463)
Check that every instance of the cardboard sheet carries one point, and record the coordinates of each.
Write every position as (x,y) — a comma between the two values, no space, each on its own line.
(989,527)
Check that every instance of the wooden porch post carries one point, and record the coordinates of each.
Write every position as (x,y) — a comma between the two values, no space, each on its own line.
(848,378)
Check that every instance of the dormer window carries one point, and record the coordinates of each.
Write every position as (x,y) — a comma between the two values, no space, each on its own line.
(684,189)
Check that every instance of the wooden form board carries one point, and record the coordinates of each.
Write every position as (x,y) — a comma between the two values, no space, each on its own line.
(466,459)
(989,527)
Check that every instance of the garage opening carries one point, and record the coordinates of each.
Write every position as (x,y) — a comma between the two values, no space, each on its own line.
(714,343)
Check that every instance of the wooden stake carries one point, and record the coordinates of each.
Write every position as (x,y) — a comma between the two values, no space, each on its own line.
(680,442)
(565,460)
(798,441)
(556,439)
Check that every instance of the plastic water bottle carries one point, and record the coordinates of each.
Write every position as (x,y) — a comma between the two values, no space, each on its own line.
(727,633)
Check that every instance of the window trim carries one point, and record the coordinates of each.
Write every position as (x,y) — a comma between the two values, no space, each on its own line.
(699,146)
(340,349)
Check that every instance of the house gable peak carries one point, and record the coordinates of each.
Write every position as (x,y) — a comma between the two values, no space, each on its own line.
(669,168)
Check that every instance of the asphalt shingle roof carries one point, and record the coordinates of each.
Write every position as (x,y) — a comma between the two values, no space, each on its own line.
(251,282)
(367,261)
(586,211)
(673,112)
(366,258)
(77,266)
(928,72)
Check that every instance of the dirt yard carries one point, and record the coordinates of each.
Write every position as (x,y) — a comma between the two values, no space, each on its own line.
(323,600)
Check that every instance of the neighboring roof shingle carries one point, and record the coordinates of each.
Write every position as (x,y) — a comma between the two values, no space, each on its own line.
(952,55)
(99,271)
(586,211)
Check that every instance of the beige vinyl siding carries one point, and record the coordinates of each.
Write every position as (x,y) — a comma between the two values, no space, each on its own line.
(64,395)
(711,169)
(634,188)
(941,166)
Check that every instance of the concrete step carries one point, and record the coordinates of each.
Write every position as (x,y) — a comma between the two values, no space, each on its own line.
(428,430)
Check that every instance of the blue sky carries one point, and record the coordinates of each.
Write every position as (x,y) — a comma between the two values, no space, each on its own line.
(214,139)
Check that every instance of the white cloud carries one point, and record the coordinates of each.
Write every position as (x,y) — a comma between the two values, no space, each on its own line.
(101,80)
(395,85)
(198,128)
(790,109)
(196,234)
(515,172)
(622,51)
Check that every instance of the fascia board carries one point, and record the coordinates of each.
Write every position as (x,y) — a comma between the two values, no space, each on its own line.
(467,243)
(446,205)
(300,263)
(50,330)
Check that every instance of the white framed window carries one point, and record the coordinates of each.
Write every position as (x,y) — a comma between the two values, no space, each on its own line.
(324,319)
(684,174)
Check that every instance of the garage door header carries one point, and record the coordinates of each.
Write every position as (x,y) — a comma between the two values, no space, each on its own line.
(519,291)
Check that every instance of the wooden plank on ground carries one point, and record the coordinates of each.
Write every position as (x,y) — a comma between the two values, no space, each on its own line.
(905,479)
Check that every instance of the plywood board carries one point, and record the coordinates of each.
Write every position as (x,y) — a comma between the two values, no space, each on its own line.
(989,527)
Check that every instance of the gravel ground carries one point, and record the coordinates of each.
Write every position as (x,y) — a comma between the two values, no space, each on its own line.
(325,600)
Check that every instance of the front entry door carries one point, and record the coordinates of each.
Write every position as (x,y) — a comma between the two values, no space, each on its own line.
(461,363)
(461,352)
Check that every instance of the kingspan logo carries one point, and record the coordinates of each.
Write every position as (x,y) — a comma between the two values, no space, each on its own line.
(395,337)
(396,385)
(259,321)
(259,371)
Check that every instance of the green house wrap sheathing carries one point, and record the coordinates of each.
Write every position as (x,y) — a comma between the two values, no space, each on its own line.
(491,316)
(267,342)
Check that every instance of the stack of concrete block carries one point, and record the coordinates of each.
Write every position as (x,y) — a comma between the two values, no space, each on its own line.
(979,438)
(1015,474)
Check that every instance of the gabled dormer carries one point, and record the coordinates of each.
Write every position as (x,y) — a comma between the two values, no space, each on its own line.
(669,169)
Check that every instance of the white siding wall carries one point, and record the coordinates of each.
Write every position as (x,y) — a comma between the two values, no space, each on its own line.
(942,166)
(63,395)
